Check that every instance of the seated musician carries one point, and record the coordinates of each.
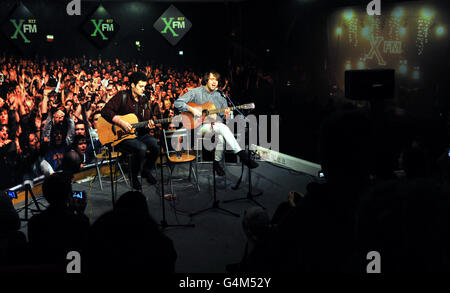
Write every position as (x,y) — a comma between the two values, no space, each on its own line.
(133,101)
(209,93)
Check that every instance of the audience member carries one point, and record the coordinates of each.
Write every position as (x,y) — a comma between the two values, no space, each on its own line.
(57,230)
(14,249)
(129,240)
(257,228)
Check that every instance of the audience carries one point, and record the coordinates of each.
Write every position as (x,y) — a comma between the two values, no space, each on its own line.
(129,240)
(66,95)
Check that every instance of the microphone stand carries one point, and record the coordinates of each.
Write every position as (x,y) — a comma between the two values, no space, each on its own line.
(164,223)
(250,196)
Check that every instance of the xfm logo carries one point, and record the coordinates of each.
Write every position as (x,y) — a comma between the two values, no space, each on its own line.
(101,27)
(22,28)
(173,25)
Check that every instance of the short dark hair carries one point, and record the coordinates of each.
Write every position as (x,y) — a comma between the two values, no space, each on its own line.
(77,138)
(80,122)
(205,77)
(137,76)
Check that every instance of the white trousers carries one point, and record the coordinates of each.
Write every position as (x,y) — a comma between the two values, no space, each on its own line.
(223,134)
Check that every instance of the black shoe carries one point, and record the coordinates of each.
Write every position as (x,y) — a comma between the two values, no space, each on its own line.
(243,155)
(218,169)
(135,184)
(147,174)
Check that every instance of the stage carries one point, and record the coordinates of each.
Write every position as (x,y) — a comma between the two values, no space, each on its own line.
(217,238)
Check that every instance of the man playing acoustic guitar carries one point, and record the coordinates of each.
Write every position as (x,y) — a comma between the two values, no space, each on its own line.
(209,93)
(133,101)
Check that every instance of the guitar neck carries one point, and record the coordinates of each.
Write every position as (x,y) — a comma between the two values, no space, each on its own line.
(223,109)
(145,123)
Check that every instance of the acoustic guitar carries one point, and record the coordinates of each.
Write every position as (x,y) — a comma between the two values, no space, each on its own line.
(112,134)
(209,113)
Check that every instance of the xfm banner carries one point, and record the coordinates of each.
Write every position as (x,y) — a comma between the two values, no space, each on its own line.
(22,28)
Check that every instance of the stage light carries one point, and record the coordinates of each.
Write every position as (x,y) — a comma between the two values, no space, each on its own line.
(398,12)
(180,53)
(402,31)
(366,32)
(339,31)
(50,38)
(138,43)
(440,31)
(403,68)
(416,73)
(348,65)
(427,13)
(348,14)
(361,65)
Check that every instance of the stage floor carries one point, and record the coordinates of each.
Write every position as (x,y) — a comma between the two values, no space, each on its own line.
(217,238)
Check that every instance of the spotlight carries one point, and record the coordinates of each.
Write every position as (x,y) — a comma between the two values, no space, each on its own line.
(348,65)
(440,31)
(361,64)
(138,43)
(427,13)
(348,14)
(416,73)
(180,53)
(398,12)
(403,68)
(50,38)
(366,32)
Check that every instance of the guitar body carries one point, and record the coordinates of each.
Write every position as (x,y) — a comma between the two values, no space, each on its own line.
(113,134)
(191,122)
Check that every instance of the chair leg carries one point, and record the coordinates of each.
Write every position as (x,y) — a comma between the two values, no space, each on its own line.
(98,174)
(170,181)
(190,171)
(195,176)
(123,174)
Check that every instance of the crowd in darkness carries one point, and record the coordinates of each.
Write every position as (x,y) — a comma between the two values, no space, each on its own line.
(50,107)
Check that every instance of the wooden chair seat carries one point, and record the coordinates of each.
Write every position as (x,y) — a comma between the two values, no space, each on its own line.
(105,156)
(183,159)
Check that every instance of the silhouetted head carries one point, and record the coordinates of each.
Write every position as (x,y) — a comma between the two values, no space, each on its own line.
(133,202)
(56,189)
